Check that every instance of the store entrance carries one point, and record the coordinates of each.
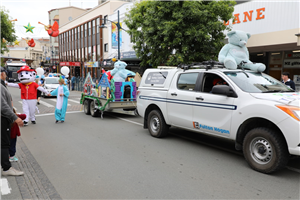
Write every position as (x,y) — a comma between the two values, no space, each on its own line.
(77,71)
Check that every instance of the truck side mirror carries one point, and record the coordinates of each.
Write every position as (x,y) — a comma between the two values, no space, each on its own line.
(224,90)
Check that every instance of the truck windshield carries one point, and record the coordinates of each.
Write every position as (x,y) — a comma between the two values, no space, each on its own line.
(254,82)
(13,68)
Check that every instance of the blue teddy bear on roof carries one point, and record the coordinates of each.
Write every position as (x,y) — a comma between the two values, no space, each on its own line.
(236,53)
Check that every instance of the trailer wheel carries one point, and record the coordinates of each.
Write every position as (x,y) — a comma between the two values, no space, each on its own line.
(86,108)
(264,150)
(156,124)
(92,109)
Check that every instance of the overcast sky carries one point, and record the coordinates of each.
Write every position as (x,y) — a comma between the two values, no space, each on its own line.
(34,11)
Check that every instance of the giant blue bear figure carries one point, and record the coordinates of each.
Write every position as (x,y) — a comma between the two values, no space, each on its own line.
(119,72)
(233,53)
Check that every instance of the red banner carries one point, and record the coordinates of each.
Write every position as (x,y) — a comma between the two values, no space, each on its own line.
(69,64)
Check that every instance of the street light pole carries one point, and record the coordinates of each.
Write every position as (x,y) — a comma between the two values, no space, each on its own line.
(119,28)
(118,36)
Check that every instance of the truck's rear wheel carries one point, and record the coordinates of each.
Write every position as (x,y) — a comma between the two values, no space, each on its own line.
(265,150)
(92,109)
(156,124)
(86,107)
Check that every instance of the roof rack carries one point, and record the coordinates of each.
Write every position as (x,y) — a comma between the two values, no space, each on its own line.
(206,65)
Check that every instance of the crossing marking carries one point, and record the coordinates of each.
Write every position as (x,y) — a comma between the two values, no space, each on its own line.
(72,100)
(5,188)
(46,104)
(55,100)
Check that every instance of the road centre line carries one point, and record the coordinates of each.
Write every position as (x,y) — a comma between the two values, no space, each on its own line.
(72,100)
(130,121)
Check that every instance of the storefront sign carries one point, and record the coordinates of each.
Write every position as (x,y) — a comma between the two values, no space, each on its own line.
(247,16)
(291,63)
(128,54)
(69,64)
(91,64)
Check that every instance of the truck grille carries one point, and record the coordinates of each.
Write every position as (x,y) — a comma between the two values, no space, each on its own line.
(15,75)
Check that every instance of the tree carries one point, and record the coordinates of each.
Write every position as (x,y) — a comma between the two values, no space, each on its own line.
(191,29)
(7,30)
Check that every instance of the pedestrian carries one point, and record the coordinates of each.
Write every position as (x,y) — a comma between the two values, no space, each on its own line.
(62,94)
(7,118)
(73,82)
(15,131)
(287,81)
(39,93)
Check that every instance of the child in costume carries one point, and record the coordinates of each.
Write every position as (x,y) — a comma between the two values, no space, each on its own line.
(29,89)
(62,94)
(15,131)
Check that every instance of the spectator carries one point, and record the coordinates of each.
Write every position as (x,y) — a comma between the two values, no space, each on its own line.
(287,81)
(7,118)
(73,82)
(39,93)
(15,131)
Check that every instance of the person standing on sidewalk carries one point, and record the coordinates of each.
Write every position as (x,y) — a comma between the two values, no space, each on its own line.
(287,81)
(7,118)
(15,132)
(73,82)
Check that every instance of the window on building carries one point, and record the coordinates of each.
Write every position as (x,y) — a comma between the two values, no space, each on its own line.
(93,25)
(106,47)
(98,52)
(85,29)
(105,19)
(97,24)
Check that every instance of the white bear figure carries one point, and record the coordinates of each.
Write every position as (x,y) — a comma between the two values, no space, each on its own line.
(235,52)
(119,72)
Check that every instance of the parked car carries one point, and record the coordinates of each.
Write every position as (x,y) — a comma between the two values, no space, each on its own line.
(258,112)
(50,84)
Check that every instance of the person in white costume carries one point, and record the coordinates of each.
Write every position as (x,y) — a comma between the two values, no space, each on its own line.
(29,89)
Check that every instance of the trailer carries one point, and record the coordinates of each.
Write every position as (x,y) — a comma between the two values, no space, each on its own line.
(95,106)
(108,96)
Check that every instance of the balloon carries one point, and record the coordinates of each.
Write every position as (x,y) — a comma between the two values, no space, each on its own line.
(43,76)
(39,71)
(65,70)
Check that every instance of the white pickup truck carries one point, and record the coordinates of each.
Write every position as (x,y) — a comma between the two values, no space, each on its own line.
(258,112)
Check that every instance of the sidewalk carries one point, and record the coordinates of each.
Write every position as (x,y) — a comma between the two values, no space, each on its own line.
(34,184)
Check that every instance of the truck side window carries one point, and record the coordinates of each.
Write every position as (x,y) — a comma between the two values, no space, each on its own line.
(187,81)
(211,80)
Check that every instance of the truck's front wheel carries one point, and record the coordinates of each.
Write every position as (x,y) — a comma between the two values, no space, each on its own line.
(156,124)
(265,150)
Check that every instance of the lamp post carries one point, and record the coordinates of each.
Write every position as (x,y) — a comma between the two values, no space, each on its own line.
(119,28)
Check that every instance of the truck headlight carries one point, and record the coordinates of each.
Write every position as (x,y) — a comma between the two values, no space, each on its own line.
(292,111)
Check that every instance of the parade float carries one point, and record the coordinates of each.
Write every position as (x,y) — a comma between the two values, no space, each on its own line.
(115,90)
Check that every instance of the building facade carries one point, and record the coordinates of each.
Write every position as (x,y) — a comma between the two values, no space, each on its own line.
(61,16)
(275,34)
(81,41)
(37,54)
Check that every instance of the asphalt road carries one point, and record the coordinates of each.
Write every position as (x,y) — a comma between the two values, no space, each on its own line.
(115,158)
